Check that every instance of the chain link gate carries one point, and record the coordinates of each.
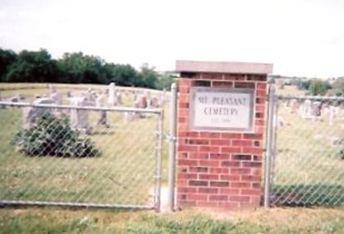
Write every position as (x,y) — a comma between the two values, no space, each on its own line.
(305,151)
(80,156)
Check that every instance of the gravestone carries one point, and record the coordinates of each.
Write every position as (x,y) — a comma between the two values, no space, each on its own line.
(331,114)
(221,124)
(306,109)
(101,102)
(31,114)
(80,118)
(112,94)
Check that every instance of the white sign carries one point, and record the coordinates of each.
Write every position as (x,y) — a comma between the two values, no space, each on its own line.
(222,109)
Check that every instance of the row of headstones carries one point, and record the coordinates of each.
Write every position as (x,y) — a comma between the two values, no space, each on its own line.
(80,118)
(313,110)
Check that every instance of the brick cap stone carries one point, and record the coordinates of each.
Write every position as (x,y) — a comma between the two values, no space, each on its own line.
(223,67)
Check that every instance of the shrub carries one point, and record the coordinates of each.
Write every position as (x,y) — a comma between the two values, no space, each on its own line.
(52,136)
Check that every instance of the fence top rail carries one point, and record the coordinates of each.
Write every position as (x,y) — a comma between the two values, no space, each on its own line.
(321,98)
(93,108)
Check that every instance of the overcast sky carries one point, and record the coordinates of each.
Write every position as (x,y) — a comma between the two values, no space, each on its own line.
(300,37)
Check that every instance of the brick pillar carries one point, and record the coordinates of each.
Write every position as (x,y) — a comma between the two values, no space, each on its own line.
(220,167)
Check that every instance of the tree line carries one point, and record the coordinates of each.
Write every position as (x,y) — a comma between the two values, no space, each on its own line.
(40,67)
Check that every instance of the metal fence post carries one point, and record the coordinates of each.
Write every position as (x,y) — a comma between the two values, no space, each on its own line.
(158,162)
(269,140)
(172,148)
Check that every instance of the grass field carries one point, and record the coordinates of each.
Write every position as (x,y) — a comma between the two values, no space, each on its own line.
(55,220)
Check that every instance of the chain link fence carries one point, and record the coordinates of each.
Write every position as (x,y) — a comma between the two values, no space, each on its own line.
(307,163)
(80,156)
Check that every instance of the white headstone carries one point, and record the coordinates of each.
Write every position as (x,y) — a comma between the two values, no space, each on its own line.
(112,94)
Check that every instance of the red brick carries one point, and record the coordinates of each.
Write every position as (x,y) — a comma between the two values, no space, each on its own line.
(230,149)
(212,76)
(239,198)
(220,142)
(261,85)
(186,190)
(198,155)
(210,134)
(251,164)
(241,157)
(198,183)
(244,85)
(219,170)
(187,162)
(219,183)
(208,190)
(241,142)
(231,135)
(213,149)
(208,176)
(209,163)
(250,178)
(230,177)
(253,136)
(196,196)
(187,148)
(234,77)
(218,197)
(198,169)
(222,84)
(183,105)
(251,192)
(240,185)
(240,170)
(187,176)
(230,164)
(260,93)
(219,156)
(252,150)
(198,142)
(229,191)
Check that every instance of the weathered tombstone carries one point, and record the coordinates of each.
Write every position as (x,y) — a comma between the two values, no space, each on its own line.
(56,97)
(112,94)
(316,110)
(295,105)
(100,102)
(331,114)
(80,118)
(154,102)
(306,110)
(31,114)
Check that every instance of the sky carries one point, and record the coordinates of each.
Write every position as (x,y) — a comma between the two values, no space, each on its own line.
(299,37)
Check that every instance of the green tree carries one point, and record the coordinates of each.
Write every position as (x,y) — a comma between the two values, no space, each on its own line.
(122,74)
(32,66)
(79,68)
(7,57)
(148,76)
(165,81)
(318,87)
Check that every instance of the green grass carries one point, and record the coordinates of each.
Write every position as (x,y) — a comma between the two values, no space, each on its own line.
(54,220)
